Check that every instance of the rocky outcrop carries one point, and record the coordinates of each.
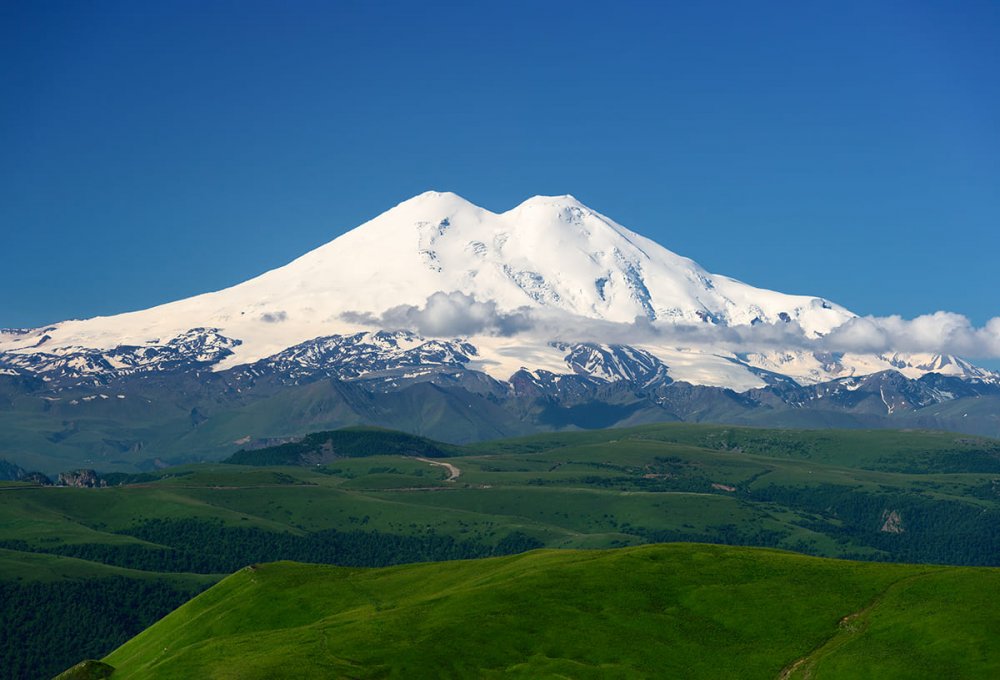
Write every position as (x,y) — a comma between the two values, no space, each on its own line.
(81,479)
(892,523)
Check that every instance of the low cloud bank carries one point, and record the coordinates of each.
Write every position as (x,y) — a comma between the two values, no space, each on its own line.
(937,333)
(457,314)
(448,315)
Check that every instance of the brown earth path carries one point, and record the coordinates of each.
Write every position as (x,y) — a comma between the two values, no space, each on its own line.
(453,472)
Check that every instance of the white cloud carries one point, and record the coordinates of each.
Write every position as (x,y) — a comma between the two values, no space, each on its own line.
(458,314)
(937,333)
(446,315)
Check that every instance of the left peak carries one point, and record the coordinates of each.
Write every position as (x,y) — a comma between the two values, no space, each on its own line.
(433,203)
(436,196)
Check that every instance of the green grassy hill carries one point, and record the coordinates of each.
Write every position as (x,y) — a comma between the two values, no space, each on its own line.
(348,442)
(692,611)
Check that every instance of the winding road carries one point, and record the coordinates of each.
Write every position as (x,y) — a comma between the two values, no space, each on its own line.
(453,472)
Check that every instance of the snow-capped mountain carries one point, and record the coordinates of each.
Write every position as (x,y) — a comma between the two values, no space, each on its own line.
(448,320)
(549,285)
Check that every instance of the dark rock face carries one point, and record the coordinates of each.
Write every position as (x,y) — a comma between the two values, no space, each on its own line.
(616,362)
(383,353)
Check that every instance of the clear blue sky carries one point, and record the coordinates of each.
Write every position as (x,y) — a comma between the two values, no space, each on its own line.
(154,150)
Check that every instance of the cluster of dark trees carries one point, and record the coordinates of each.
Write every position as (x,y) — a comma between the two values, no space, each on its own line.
(898,526)
(725,534)
(47,627)
(985,460)
(928,530)
(209,547)
(351,442)
(213,547)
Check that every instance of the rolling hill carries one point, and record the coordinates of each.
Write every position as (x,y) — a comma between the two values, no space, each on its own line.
(691,611)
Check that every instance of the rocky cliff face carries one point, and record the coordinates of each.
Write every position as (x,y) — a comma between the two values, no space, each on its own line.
(81,479)
(892,522)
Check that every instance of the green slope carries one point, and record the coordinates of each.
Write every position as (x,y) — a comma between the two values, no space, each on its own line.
(692,611)
(915,451)
(349,442)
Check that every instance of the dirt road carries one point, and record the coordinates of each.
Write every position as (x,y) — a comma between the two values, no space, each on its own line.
(453,472)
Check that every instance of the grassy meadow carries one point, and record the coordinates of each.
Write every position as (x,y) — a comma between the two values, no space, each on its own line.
(679,610)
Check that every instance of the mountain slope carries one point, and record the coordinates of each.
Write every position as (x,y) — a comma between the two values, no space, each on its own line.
(549,253)
(690,611)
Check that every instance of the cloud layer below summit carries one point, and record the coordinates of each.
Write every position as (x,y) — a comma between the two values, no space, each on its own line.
(459,314)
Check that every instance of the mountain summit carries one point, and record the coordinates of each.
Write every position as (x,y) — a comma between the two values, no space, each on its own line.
(550,251)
